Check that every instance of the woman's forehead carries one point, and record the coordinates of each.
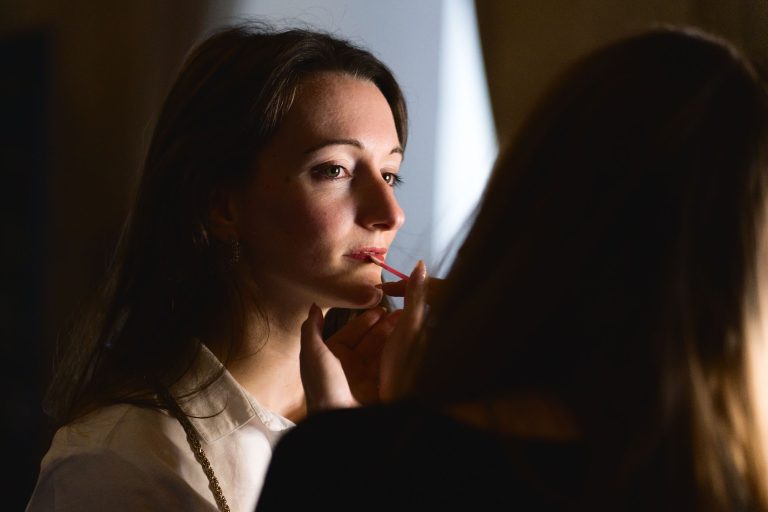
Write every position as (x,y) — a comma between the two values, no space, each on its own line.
(332,105)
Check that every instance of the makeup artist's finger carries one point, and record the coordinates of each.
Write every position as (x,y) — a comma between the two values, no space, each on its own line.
(311,334)
(314,356)
(354,331)
(325,384)
(416,292)
(397,288)
(398,351)
(393,289)
(373,342)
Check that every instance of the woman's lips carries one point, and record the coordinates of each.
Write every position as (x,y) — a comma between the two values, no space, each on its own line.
(366,253)
(375,256)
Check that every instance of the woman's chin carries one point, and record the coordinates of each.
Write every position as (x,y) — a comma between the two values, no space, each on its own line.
(368,297)
(358,297)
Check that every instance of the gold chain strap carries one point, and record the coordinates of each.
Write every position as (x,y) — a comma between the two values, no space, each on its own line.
(197,449)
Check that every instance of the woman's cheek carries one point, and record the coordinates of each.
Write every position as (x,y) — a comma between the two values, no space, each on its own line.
(325,221)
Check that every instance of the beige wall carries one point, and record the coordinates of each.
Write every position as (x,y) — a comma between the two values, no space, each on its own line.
(526,42)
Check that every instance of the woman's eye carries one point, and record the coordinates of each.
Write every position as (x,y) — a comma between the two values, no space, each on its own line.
(330,172)
(392,179)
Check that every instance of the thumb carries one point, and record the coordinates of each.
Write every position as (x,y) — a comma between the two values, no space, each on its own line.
(313,350)
(323,379)
(311,334)
(398,353)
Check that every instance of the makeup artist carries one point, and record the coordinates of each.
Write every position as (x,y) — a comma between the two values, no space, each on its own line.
(597,343)
(271,170)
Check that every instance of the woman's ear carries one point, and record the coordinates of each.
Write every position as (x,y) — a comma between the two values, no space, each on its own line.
(223,216)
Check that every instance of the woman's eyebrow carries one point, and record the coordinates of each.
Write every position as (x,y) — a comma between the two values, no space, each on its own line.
(346,142)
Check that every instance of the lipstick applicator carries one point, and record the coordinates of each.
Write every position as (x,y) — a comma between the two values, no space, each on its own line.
(386,267)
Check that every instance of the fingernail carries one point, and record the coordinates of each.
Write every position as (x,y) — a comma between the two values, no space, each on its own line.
(317,314)
(394,316)
(419,273)
(381,311)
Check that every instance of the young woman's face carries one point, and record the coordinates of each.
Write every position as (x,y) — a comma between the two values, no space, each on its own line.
(323,193)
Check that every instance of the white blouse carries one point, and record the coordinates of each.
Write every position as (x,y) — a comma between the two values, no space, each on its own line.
(128,458)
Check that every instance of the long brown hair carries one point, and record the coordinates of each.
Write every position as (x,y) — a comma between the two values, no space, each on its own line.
(612,264)
(169,283)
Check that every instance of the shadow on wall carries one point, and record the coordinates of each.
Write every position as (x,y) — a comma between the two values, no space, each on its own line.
(24,160)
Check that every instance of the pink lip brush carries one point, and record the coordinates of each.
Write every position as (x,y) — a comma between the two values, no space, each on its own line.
(383,265)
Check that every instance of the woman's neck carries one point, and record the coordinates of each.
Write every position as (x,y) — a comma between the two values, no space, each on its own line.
(267,364)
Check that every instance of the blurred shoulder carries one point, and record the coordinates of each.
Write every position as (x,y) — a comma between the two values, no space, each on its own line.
(117,458)
(363,422)
(122,431)
(423,458)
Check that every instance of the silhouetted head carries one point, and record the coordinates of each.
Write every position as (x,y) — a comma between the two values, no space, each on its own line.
(612,264)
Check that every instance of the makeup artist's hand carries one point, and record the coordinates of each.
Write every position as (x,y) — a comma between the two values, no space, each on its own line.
(344,371)
(397,288)
(403,341)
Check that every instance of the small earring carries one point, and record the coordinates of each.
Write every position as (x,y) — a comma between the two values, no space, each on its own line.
(234,245)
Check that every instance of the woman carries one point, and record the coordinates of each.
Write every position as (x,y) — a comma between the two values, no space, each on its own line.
(269,179)
(591,348)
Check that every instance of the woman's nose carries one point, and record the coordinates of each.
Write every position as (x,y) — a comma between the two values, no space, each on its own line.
(378,208)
